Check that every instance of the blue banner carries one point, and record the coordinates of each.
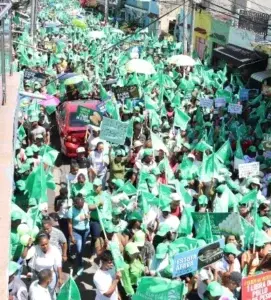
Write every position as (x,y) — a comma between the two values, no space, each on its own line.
(192,260)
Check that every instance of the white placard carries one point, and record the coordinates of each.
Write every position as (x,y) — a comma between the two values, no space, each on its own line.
(220,102)
(235,108)
(208,103)
(249,169)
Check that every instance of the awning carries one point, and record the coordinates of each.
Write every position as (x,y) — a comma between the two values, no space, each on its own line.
(261,76)
(238,56)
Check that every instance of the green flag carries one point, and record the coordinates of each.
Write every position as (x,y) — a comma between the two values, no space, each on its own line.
(158,288)
(225,152)
(157,143)
(36,184)
(186,222)
(128,189)
(50,109)
(21,134)
(117,256)
(249,197)
(50,155)
(69,291)
(181,119)
(112,109)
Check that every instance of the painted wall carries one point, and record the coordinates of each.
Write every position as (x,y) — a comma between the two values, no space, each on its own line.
(241,38)
(203,20)
(179,29)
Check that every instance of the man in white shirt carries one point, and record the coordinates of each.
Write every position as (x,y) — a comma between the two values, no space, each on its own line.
(39,288)
(230,262)
(105,279)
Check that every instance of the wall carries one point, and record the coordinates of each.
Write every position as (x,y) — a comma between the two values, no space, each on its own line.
(219,34)
(241,38)
(179,30)
(203,20)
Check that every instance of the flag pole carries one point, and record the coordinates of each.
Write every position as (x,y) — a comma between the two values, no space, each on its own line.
(209,225)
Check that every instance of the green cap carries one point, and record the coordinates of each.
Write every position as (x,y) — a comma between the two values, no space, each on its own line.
(163,229)
(231,248)
(166,208)
(131,248)
(97,182)
(13,267)
(221,188)
(135,215)
(24,168)
(147,152)
(139,238)
(109,227)
(16,215)
(215,289)
(252,149)
(119,152)
(35,148)
(161,251)
(116,211)
(203,199)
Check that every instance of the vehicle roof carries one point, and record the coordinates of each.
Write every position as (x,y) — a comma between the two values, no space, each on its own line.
(72,105)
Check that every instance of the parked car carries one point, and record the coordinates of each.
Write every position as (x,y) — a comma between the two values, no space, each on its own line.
(72,130)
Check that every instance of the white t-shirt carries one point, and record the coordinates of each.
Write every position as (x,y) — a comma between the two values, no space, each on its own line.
(37,292)
(204,274)
(103,280)
(50,260)
(172,221)
(64,208)
(223,266)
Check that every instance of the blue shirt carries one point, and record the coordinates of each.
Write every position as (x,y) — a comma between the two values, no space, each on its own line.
(79,217)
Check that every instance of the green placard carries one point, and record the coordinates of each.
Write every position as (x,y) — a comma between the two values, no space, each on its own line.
(88,115)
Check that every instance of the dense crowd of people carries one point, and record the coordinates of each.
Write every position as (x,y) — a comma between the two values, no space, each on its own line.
(131,208)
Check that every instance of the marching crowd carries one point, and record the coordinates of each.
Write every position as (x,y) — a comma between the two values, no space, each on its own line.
(131,208)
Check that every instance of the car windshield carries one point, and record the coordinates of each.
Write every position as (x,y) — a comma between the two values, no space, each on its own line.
(74,122)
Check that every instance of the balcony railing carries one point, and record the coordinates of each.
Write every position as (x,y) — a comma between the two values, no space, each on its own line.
(5,46)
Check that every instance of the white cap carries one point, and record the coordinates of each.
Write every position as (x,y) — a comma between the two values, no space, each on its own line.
(190,155)
(80,150)
(175,197)
(137,144)
(94,128)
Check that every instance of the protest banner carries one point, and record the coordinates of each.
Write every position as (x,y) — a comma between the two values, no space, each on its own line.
(207,103)
(101,107)
(192,260)
(126,92)
(220,102)
(257,287)
(158,288)
(88,116)
(215,220)
(35,76)
(235,108)
(113,131)
(244,94)
(248,169)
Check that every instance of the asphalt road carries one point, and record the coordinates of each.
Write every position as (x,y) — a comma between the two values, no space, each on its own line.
(85,281)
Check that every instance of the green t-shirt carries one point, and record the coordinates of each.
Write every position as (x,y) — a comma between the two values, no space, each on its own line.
(96,199)
(136,270)
(85,190)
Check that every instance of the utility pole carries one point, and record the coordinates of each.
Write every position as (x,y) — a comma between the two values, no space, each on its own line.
(184,28)
(33,20)
(192,27)
(106,5)
(193,6)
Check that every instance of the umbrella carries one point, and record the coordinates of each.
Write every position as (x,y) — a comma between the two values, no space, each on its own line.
(116,30)
(140,66)
(182,60)
(49,101)
(79,23)
(65,76)
(75,79)
(96,35)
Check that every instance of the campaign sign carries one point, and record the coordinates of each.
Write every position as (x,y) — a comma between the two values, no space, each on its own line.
(220,102)
(244,94)
(235,108)
(207,103)
(249,169)
(192,260)
(126,92)
(257,287)
(267,141)
(113,131)
(101,107)
(88,116)
(34,76)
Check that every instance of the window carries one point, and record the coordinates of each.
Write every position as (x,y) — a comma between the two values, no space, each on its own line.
(75,122)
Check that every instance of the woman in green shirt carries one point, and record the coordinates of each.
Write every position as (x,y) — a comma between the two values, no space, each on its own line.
(82,187)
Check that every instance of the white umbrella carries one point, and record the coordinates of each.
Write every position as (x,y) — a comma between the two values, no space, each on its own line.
(182,60)
(96,35)
(140,66)
(116,30)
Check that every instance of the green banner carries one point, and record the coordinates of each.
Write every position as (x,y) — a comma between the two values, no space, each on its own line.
(88,115)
